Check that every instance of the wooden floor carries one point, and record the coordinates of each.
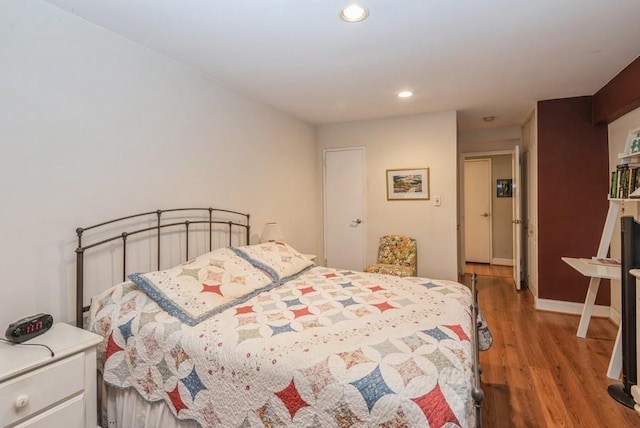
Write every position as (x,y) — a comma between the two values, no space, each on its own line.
(483,269)
(538,373)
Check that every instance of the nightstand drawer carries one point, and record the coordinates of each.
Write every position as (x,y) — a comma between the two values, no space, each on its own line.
(32,392)
(69,414)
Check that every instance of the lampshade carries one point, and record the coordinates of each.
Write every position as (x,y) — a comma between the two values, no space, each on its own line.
(271,232)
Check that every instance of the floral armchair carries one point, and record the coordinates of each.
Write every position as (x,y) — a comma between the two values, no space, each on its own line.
(397,255)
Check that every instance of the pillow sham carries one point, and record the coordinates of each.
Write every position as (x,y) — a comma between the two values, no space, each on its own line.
(277,258)
(204,286)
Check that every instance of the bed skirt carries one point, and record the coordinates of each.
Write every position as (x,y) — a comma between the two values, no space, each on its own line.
(124,408)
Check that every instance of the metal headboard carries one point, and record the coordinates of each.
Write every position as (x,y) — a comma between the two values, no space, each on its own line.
(237,220)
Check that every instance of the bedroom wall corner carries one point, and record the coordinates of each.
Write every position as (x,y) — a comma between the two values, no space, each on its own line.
(425,140)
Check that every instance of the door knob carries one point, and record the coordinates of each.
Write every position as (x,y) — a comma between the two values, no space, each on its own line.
(485,215)
(356,221)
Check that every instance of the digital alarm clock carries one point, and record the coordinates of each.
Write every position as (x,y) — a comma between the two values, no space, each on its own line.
(28,328)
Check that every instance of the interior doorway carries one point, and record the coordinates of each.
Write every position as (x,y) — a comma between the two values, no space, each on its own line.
(344,222)
(505,213)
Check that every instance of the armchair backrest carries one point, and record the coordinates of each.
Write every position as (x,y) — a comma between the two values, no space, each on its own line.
(398,250)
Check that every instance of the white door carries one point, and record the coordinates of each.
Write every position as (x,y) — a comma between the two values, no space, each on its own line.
(477,210)
(518,220)
(344,208)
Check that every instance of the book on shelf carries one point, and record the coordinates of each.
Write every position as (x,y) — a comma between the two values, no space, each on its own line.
(625,180)
(622,184)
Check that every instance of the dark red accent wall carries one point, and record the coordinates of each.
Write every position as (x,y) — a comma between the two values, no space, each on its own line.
(618,97)
(572,195)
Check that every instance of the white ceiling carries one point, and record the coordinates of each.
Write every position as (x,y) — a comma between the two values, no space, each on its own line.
(480,57)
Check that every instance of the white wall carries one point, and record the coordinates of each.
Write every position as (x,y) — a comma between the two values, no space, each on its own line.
(489,139)
(502,209)
(618,133)
(93,126)
(426,140)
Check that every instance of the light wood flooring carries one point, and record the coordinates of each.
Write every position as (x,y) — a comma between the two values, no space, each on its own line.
(538,373)
(489,270)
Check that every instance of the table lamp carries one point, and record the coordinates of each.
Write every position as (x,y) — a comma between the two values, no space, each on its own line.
(272,232)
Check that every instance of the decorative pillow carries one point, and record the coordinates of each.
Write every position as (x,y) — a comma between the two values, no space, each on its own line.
(205,286)
(280,260)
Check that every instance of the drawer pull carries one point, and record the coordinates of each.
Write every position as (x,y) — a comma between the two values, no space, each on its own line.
(22,401)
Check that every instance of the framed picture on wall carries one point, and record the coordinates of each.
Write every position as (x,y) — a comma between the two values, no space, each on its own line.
(408,184)
(504,188)
(633,142)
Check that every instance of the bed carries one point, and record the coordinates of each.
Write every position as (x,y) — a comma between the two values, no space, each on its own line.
(257,335)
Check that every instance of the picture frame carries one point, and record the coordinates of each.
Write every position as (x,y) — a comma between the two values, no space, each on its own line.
(504,188)
(633,143)
(408,184)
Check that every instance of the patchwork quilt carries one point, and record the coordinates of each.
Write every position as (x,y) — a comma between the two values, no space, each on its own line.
(330,348)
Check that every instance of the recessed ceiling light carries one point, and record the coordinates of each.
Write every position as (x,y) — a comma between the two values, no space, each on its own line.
(354,13)
(405,94)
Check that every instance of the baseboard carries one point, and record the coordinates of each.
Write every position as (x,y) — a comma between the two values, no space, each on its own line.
(571,308)
(501,262)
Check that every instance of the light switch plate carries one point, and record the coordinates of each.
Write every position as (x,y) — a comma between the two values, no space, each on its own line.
(437,201)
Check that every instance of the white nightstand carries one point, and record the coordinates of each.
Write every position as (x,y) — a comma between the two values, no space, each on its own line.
(38,390)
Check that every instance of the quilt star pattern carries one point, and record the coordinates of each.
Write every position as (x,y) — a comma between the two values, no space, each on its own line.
(330,348)
(204,286)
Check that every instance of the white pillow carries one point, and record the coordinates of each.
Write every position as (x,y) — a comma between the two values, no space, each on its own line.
(278,259)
